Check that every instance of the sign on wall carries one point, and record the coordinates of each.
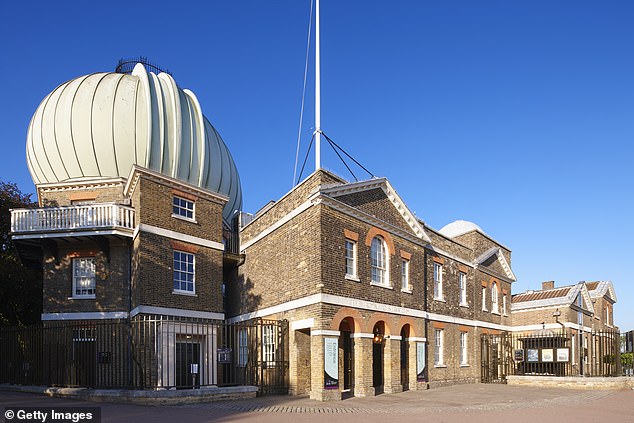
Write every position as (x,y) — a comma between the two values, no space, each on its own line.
(331,363)
(421,362)
(563,355)
(547,355)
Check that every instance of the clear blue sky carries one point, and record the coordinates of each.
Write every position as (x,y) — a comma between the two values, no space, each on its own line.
(517,115)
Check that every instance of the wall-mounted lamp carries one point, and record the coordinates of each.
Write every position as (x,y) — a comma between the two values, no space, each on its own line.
(378,337)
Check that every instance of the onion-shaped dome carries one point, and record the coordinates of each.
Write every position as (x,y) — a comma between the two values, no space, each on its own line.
(99,125)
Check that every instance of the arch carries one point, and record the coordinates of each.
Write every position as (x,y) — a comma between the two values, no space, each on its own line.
(379,261)
(345,313)
(374,232)
(376,318)
(406,320)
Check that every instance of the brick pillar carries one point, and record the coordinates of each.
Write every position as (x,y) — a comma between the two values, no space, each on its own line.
(392,365)
(317,391)
(363,365)
(413,385)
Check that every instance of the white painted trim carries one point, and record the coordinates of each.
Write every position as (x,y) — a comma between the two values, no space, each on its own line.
(97,315)
(549,326)
(300,209)
(362,335)
(70,234)
(394,337)
(178,236)
(303,324)
(416,339)
(325,333)
(366,305)
(176,312)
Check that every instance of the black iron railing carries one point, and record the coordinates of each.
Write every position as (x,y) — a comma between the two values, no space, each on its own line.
(126,65)
(147,352)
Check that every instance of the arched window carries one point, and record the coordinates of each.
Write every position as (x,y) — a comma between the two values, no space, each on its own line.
(379,261)
(494,298)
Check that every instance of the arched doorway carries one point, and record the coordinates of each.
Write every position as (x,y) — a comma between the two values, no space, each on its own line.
(378,343)
(346,350)
(405,357)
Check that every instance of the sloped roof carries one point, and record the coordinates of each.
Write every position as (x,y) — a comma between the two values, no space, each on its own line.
(497,252)
(598,289)
(561,296)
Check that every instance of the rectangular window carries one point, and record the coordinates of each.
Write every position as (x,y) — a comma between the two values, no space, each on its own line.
(84,277)
(405,275)
(268,344)
(484,298)
(438,281)
(504,304)
(243,348)
(462,279)
(463,349)
(351,258)
(438,348)
(184,272)
(182,208)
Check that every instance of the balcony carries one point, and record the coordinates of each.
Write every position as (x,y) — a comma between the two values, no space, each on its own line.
(91,219)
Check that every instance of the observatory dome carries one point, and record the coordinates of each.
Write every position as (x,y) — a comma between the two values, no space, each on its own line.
(459,227)
(99,125)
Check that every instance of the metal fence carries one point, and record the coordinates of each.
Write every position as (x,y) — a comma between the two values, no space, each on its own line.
(147,352)
(551,353)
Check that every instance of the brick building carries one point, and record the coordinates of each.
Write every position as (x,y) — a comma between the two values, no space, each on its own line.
(138,221)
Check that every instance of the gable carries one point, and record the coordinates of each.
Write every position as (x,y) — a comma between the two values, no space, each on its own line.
(494,260)
(375,203)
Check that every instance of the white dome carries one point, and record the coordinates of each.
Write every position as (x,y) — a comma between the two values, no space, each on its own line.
(99,125)
(459,227)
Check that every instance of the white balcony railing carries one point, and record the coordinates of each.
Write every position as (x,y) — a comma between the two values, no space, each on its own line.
(72,218)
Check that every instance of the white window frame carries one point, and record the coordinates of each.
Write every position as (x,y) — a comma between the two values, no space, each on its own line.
(183,208)
(439,348)
(504,305)
(484,299)
(405,285)
(243,347)
(495,306)
(462,283)
(179,272)
(438,294)
(379,262)
(84,278)
(268,345)
(464,351)
(351,259)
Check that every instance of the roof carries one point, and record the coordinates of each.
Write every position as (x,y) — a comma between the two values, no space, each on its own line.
(459,227)
(598,289)
(561,296)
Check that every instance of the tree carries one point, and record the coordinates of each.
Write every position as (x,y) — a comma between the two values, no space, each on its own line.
(20,286)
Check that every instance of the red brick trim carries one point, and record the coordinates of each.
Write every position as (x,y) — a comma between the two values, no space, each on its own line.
(185,195)
(484,284)
(376,318)
(406,255)
(484,331)
(373,232)
(463,268)
(351,235)
(182,246)
(504,291)
(439,260)
(345,313)
(82,196)
(438,325)
(464,328)
(412,325)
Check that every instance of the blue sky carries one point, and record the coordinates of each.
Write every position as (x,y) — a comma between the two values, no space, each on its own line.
(517,115)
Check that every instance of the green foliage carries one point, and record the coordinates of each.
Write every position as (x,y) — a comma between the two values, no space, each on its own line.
(20,286)
(627,359)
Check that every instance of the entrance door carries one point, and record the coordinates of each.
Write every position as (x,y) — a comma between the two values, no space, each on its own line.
(405,363)
(347,360)
(188,364)
(84,357)
(377,367)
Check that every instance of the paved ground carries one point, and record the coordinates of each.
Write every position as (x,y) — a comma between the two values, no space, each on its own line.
(463,403)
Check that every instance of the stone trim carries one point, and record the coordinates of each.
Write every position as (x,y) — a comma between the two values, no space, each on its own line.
(143,309)
(178,236)
(325,333)
(97,315)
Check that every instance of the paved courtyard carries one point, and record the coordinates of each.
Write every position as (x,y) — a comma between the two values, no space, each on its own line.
(462,403)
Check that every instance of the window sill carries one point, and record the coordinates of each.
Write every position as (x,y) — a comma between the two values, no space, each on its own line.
(186,219)
(465,365)
(352,278)
(381,285)
(464,305)
(442,300)
(496,312)
(407,291)
(440,366)
(83,297)
(185,293)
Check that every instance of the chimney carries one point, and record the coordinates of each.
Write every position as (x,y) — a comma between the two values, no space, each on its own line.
(548,285)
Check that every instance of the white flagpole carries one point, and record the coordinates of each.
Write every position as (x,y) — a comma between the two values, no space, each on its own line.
(317,92)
